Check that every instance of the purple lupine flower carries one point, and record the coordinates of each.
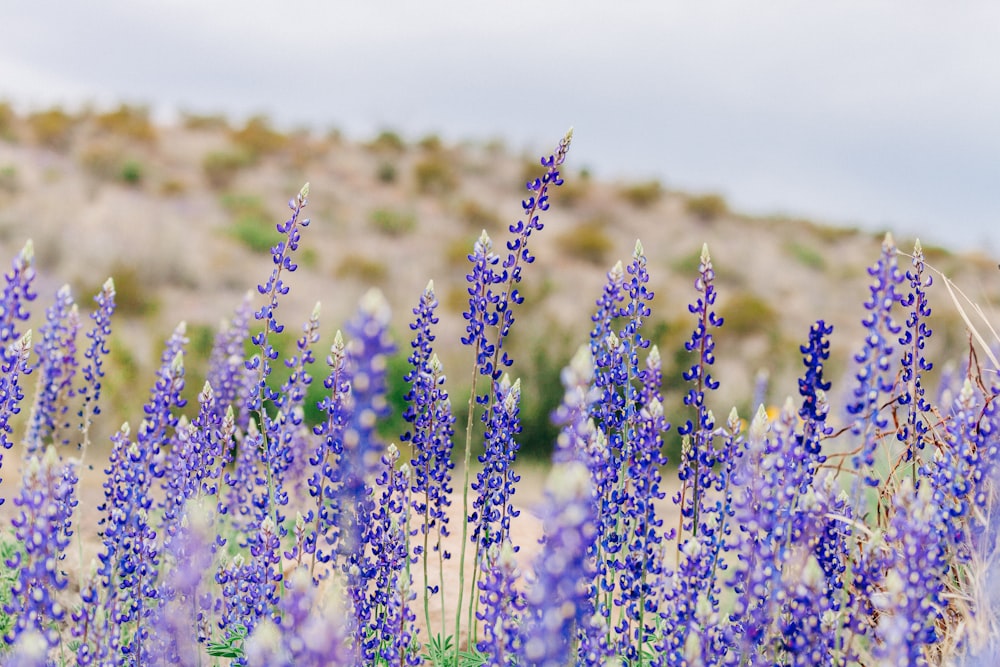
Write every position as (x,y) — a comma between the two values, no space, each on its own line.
(259,366)
(129,559)
(391,622)
(13,365)
(367,355)
(97,350)
(519,255)
(31,650)
(428,411)
(500,607)
(226,364)
(495,483)
(250,587)
(367,352)
(577,434)
(691,596)
(699,459)
(57,365)
(194,463)
(813,388)
(957,470)
(160,419)
(43,528)
(287,459)
(179,622)
(558,606)
(914,363)
(873,360)
(323,541)
(912,597)
(786,525)
(641,561)
(16,292)
(241,483)
(311,631)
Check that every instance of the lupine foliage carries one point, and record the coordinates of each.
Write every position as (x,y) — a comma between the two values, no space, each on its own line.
(853,526)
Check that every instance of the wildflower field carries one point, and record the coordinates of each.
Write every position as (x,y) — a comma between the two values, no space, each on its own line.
(853,525)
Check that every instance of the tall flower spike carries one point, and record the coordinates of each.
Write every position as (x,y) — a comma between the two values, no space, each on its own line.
(327,474)
(93,369)
(13,365)
(914,362)
(43,529)
(129,558)
(57,365)
(698,462)
(558,607)
(428,411)
(489,308)
(16,292)
(873,360)
(226,371)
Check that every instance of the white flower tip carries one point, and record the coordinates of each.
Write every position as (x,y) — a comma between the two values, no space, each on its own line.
(315,312)
(430,287)
(617,272)
(374,304)
(109,286)
(568,480)
(758,427)
(706,258)
(304,192)
(638,252)
(28,252)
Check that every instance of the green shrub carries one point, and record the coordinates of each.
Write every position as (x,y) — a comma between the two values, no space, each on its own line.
(257,138)
(707,207)
(386,172)
(746,313)
(431,142)
(477,216)
(212,122)
(173,187)
(457,251)
(363,269)
(52,128)
(387,141)
(9,182)
(392,223)
(806,255)
(588,242)
(129,122)
(220,168)
(134,291)
(131,172)
(642,195)
(8,119)
(101,161)
(253,226)
(434,175)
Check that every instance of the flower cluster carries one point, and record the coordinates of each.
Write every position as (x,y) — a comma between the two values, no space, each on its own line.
(800,541)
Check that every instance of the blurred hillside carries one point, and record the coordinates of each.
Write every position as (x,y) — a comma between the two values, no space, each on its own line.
(182,217)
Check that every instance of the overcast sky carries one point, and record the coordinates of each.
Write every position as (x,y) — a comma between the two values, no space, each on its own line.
(877,114)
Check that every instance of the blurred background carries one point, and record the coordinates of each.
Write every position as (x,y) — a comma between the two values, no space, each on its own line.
(158,143)
(875,114)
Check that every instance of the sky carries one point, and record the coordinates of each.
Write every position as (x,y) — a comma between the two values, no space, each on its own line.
(876,114)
